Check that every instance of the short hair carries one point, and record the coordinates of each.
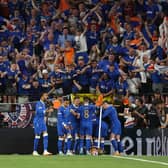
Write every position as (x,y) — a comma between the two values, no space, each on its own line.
(93,60)
(85,98)
(65,98)
(42,93)
(76,97)
(157,101)
(105,101)
(140,100)
(65,27)
(157,91)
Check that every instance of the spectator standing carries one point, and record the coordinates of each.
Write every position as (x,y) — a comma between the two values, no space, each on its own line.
(140,113)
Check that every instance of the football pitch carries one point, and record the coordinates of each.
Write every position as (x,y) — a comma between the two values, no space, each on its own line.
(105,161)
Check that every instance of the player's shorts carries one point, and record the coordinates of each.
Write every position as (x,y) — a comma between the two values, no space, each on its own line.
(104,129)
(61,131)
(39,126)
(75,129)
(116,129)
(86,129)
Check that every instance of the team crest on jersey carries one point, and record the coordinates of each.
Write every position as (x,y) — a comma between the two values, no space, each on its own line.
(20,116)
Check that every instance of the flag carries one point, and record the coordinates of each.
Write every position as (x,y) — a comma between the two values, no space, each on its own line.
(56,104)
(99,100)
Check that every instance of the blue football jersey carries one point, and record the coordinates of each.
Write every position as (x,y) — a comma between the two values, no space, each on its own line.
(112,114)
(40,110)
(39,119)
(115,124)
(76,109)
(63,115)
(86,113)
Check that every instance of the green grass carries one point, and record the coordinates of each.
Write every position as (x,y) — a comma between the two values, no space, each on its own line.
(28,161)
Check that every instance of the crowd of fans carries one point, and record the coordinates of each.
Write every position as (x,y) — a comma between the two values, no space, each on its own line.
(114,48)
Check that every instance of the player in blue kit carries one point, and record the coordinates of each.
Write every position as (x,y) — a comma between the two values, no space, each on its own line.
(64,128)
(86,114)
(110,112)
(74,109)
(40,124)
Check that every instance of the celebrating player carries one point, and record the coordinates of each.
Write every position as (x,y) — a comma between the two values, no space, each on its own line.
(74,118)
(103,135)
(40,124)
(64,128)
(86,114)
(111,113)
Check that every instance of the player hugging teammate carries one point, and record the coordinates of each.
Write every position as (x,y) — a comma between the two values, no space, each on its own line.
(78,127)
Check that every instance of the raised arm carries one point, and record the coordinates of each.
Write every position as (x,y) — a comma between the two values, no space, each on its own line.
(99,17)
(34,5)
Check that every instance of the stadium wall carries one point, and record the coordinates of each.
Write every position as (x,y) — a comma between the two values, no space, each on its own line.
(136,141)
(20,140)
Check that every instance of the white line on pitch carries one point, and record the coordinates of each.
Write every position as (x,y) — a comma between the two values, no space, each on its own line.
(141,160)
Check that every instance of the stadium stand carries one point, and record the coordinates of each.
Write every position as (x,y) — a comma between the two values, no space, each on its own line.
(116,48)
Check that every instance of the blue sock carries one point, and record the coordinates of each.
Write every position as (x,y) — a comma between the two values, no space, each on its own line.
(78,141)
(76,145)
(36,141)
(60,140)
(88,144)
(102,145)
(45,142)
(120,147)
(81,144)
(115,145)
(69,143)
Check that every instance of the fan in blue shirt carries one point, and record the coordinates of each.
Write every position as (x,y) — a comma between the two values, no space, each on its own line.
(121,86)
(68,79)
(105,85)
(24,84)
(114,46)
(94,75)
(81,77)
(151,10)
(3,69)
(104,64)
(113,73)
(45,81)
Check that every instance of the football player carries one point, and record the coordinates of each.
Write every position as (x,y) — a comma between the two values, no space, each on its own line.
(39,123)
